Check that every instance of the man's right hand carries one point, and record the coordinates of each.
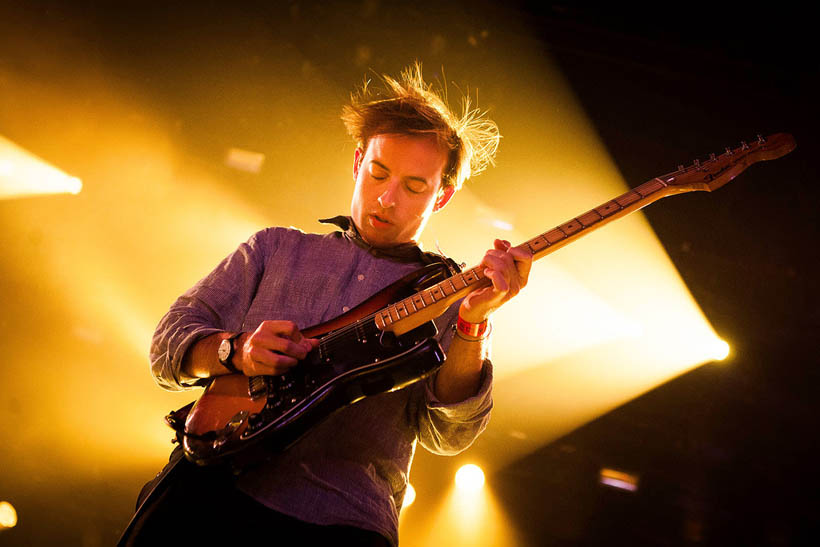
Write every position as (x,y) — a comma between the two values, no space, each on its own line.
(272,349)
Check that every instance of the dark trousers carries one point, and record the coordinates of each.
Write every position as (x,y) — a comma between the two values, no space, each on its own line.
(202,505)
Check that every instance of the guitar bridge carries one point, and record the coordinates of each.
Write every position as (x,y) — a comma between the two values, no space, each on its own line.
(257,387)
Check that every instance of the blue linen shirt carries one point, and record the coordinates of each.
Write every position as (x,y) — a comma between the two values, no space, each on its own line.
(351,469)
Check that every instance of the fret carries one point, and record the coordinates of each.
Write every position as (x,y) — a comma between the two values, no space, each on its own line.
(589,218)
(429,297)
(570,227)
(470,276)
(449,280)
(384,315)
(554,236)
(608,208)
(625,199)
(412,300)
(437,296)
(650,187)
(394,314)
(402,307)
(459,278)
(538,243)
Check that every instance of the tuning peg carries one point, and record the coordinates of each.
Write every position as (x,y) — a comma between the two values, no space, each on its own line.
(743,145)
(697,163)
(712,156)
(680,167)
(728,151)
(760,139)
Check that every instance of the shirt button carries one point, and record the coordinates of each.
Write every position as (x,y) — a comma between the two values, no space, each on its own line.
(345,308)
(361,277)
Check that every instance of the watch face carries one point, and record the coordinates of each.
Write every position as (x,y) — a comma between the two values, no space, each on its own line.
(224,351)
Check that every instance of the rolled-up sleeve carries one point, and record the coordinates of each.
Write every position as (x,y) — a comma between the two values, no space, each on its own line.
(216,303)
(448,429)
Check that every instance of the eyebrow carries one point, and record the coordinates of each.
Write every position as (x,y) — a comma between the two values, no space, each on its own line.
(383,166)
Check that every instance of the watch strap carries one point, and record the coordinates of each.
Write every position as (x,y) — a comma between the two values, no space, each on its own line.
(228,363)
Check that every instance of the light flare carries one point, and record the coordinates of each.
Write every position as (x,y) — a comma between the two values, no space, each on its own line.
(8,515)
(24,174)
(470,478)
(409,496)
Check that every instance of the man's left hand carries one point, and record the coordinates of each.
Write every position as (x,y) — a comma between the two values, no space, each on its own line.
(508,268)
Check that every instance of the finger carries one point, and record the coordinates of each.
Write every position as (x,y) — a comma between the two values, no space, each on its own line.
(523,263)
(497,260)
(485,294)
(286,346)
(500,282)
(265,362)
(503,264)
(287,329)
(282,328)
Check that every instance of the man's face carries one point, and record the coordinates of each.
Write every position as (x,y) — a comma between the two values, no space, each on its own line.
(398,183)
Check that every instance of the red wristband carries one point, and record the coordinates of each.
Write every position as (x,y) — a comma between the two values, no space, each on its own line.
(476,330)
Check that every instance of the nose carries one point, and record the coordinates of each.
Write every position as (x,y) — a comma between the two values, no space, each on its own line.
(388,197)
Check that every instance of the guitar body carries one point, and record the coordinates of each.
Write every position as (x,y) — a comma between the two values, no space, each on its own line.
(354,360)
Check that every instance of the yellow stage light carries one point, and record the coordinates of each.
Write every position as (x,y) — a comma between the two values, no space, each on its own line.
(24,174)
(8,516)
(720,350)
(470,478)
(409,496)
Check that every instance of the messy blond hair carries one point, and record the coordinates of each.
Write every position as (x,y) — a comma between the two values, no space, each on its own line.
(410,106)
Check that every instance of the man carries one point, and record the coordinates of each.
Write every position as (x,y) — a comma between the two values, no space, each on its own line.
(344,480)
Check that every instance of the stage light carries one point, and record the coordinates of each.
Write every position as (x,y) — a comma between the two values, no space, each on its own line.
(24,174)
(409,496)
(470,478)
(8,516)
(720,350)
(619,479)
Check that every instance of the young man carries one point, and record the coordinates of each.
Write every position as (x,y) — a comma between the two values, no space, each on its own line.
(345,479)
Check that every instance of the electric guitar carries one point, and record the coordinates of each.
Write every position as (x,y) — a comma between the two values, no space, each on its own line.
(386,343)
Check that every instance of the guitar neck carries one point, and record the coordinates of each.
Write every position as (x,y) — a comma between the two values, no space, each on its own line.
(428,304)
(713,173)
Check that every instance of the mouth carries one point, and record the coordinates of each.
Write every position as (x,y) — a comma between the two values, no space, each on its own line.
(378,222)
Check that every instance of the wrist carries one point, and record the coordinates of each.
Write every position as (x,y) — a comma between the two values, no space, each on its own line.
(227,352)
(472,331)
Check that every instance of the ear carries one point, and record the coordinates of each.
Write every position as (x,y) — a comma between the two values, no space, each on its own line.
(444,196)
(358,156)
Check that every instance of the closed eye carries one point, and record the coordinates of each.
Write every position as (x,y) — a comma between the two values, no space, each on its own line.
(378,171)
(416,186)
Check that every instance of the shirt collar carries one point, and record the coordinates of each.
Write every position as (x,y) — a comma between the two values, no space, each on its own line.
(406,252)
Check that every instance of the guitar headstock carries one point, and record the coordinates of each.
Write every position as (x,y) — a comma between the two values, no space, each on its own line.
(716,171)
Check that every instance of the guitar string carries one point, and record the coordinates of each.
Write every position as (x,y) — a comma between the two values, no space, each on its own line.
(334,339)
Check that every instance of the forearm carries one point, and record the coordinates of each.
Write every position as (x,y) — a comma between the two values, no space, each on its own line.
(459,378)
(201,361)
